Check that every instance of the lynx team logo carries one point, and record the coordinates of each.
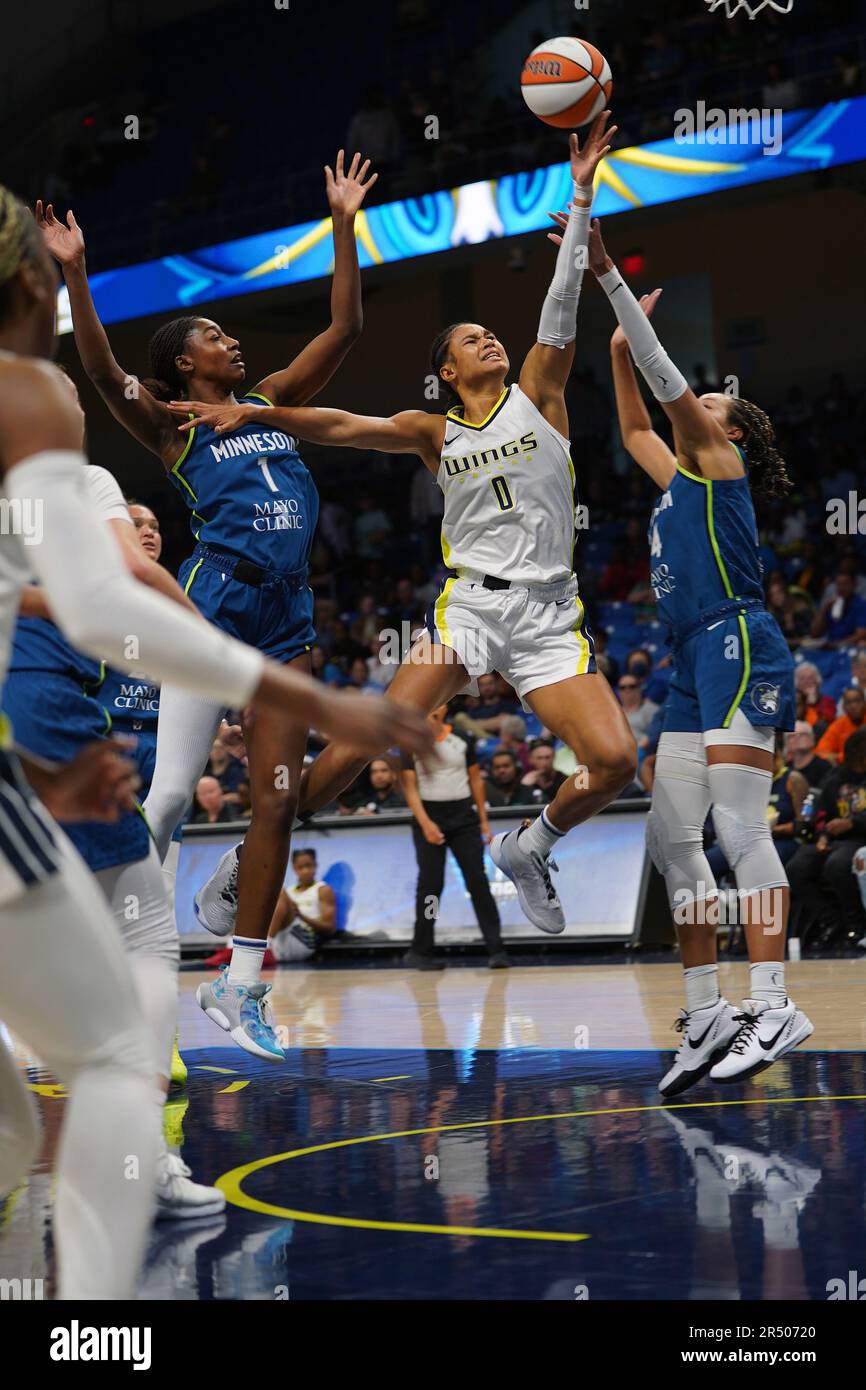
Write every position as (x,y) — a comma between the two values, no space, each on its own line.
(766,698)
(752,7)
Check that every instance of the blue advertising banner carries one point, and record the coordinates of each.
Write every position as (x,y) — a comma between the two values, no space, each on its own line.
(711,151)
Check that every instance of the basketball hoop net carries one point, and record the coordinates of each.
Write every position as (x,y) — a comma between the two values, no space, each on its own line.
(752,7)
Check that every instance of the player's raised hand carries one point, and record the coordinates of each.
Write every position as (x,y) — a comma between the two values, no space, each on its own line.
(584,162)
(65,241)
(347,191)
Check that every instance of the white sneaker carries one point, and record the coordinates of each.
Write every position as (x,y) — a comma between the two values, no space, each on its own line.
(707,1034)
(216,902)
(178,1198)
(765,1035)
(530,874)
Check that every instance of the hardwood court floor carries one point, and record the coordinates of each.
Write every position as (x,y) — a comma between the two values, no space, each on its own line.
(480,1134)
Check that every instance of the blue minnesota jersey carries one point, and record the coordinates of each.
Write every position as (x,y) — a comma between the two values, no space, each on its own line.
(131,702)
(38,645)
(250,493)
(703,541)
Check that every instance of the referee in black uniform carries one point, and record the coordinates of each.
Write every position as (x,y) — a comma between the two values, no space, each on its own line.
(440,797)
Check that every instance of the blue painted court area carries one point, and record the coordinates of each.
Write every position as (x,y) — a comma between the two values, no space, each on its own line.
(515,1174)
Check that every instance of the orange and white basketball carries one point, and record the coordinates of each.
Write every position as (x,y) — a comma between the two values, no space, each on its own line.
(566,82)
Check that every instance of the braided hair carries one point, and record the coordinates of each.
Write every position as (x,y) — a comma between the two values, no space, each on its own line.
(438,356)
(18,242)
(167,344)
(767,472)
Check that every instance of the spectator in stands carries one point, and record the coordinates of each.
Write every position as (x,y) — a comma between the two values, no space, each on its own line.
(542,779)
(654,683)
(372,528)
(858,673)
(368,622)
(504,785)
(777,91)
(841,619)
(833,743)
(406,607)
(825,867)
(512,734)
(373,128)
(819,709)
(793,612)
(624,572)
(228,764)
(359,677)
(638,711)
(380,673)
(385,793)
(800,754)
(210,798)
(487,713)
(323,669)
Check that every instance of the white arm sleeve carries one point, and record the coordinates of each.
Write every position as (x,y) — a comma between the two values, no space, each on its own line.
(666,381)
(558,325)
(108,501)
(98,604)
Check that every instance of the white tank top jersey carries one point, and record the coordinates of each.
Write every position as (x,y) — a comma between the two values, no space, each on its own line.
(508,483)
(307,899)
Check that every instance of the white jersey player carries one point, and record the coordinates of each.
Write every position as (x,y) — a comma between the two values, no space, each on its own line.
(511,605)
(65,985)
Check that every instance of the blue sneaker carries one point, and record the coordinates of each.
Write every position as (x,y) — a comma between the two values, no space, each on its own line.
(242,1011)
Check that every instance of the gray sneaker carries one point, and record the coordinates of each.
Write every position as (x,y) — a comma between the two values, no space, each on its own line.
(530,874)
(216,904)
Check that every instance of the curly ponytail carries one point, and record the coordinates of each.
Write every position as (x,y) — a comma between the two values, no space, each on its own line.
(167,343)
(767,470)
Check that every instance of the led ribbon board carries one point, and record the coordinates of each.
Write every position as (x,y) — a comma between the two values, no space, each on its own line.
(642,176)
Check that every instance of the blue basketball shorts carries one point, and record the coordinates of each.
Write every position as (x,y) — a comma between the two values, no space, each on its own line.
(740,661)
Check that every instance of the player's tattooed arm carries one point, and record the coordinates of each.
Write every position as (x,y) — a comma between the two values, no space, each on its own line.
(409,432)
(146,418)
(314,366)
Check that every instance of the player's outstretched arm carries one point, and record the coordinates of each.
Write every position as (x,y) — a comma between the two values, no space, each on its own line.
(549,362)
(78,561)
(647,449)
(409,432)
(132,404)
(313,368)
(698,435)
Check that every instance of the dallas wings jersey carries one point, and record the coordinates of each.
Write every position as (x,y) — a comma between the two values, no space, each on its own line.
(508,483)
(703,541)
(249,493)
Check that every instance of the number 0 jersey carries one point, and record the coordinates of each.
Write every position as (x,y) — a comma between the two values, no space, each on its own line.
(509,494)
(703,548)
(249,493)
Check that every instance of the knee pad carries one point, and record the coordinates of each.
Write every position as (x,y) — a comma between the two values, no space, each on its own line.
(740,799)
(675,825)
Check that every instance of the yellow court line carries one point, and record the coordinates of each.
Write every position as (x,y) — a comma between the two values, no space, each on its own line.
(224,1071)
(233,1086)
(231,1183)
(407,1077)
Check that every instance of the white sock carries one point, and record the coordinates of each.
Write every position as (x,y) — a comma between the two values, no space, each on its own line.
(702,986)
(767,981)
(246,965)
(540,836)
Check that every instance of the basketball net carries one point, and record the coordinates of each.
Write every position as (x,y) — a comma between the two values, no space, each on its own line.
(752,7)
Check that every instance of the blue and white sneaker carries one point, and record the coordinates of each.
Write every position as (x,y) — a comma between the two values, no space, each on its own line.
(242,1011)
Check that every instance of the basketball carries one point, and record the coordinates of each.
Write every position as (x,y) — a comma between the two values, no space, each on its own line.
(566,82)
